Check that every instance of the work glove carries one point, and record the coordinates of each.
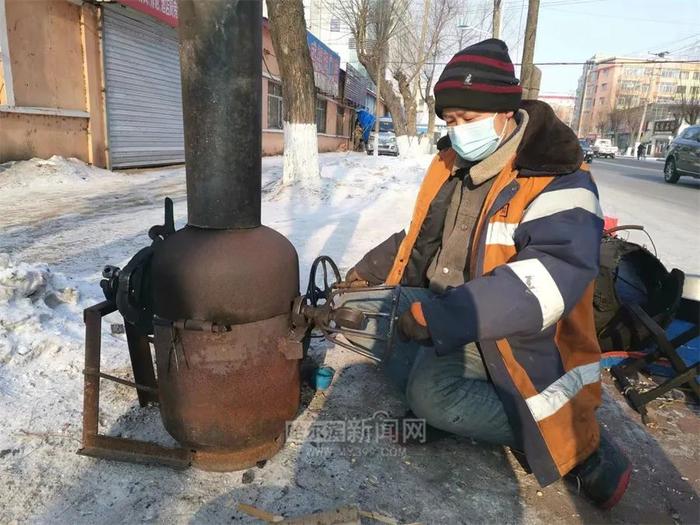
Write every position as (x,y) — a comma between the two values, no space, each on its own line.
(412,326)
(354,280)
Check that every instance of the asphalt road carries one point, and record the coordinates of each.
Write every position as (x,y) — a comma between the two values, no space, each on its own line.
(635,192)
(647,178)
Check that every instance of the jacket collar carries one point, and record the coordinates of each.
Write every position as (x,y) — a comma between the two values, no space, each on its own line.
(549,147)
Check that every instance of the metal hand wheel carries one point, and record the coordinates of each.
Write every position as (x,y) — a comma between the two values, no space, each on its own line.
(314,293)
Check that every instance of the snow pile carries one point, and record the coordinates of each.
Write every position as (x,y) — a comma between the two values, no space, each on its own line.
(36,307)
(55,170)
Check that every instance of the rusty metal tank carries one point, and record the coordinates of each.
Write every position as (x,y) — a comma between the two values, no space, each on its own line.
(223,286)
(228,375)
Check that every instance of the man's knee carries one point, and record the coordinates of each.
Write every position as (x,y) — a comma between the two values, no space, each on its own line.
(426,392)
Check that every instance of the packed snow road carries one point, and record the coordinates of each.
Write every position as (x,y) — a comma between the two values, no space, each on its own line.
(62,221)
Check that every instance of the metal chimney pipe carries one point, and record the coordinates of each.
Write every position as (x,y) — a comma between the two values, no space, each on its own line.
(220,63)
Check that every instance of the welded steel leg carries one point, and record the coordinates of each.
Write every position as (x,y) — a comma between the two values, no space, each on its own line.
(142,364)
(684,375)
(93,342)
(108,447)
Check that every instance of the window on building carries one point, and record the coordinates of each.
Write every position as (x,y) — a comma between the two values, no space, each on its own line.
(696,75)
(667,87)
(695,90)
(603,86)
(601,100)
(351,43)
(680,90)
(321,105)
(340,121)
(632,72)
(685,75)
(670,73)
(275,108)
(335,25)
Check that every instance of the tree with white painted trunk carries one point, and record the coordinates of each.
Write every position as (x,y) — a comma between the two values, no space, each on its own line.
(288,31)
(399,36)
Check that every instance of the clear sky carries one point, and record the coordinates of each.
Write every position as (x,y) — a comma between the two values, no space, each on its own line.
(575,30)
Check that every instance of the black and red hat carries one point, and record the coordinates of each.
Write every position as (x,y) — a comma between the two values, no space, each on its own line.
(481,77)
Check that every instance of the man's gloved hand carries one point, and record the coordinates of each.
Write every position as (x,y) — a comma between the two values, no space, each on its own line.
(413,327)
(354,280)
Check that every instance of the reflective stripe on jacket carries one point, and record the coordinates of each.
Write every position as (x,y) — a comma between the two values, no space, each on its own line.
(535,252)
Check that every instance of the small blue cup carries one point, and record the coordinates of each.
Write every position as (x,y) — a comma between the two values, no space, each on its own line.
(324,377)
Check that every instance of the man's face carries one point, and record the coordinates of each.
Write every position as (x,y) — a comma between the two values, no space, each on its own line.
(457,116)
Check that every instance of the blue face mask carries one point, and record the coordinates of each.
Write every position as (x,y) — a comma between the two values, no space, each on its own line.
(475,140)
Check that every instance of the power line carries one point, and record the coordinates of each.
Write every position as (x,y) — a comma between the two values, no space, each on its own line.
(626,62)
(598,15)
(544,5)
(662,44)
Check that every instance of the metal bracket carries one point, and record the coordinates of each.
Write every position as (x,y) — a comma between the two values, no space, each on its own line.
(336,325)
(121,449)
(685,375)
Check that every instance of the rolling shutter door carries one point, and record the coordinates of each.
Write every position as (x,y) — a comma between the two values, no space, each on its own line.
(142,81)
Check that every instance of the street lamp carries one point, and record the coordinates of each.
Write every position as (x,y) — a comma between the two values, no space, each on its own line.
(465,26)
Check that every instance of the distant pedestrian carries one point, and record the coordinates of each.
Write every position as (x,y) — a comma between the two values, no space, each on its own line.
(641,151)
(357,137)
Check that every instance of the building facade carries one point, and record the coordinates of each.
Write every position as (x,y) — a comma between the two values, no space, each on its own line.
(562,104)
(610,88)
(101,82)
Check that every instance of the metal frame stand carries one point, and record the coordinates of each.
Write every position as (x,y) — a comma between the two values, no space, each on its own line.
(331,332)
(121,449)
(685,375)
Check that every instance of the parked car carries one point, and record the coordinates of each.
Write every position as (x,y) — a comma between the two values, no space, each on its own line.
(387,139)
(587,150)
(683,156)
(604,148)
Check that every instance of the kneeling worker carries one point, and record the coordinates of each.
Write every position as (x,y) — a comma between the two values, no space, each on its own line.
(497,273)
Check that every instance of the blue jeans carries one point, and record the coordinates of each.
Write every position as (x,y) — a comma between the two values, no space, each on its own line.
(452,392)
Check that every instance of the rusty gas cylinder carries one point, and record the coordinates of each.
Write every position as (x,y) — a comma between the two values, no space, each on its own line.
(228,376)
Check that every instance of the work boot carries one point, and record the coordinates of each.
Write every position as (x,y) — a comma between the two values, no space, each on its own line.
(604,475)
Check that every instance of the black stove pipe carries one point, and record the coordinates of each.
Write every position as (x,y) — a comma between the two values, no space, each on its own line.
(220,63)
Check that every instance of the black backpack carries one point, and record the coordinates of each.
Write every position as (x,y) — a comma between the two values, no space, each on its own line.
(631,274)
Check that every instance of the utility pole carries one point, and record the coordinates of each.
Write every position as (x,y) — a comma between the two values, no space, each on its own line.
(652,81)
(380,75)
(526,70)
(587,68)
(496,24)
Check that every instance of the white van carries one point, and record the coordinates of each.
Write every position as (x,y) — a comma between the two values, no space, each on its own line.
(604,148)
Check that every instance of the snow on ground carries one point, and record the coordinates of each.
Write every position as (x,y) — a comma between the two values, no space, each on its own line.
(61,222)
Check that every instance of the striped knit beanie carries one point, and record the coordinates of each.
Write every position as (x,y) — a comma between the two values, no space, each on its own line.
(481,78)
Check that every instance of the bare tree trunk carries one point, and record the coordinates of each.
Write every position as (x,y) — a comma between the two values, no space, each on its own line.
(496,23)
(288,31)
(431,115)
(529,47)
(377,113)
(391,99)
(409,102)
